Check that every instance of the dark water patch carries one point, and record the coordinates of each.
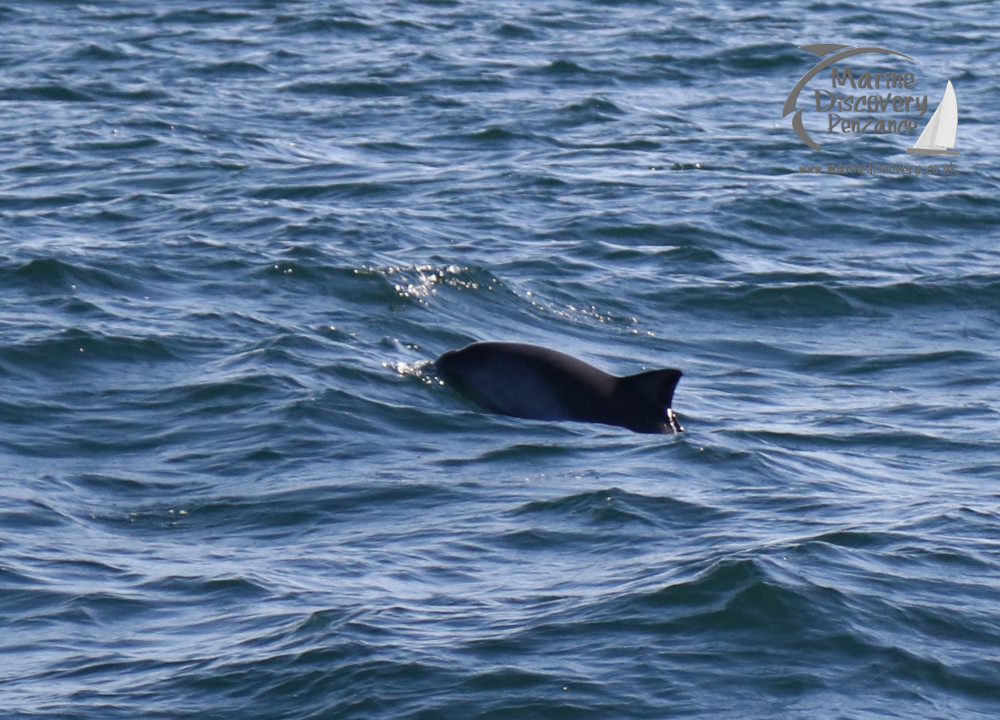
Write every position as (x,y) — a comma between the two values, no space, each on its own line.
(217,397)
(29,411)
(855,539)
(364,286)
(97,52)
(680,69)
(348,88)
(202,16)
(72,349)
(120,144)
(520,452)
(757,58)
(880,437)
(31,202)
(392,148)
(103,437)
(635,144)
(107,607)
(327,191)
(711,588)
(509,679)
(17,576)
(92,670)
(318,623)
(803,301)
(32,515)
(514,31)
(592,109)
(755,619)
(266,455)
(617,507)
(344,679)
(969,211)
(297,24)
(978,469)
(778,216)
(541,540)
(232,68)
(594,104)
(114,486)
(311,510)
(948,359)
(71,606)
(651,232)
(598,508)
(37,166)
(349,412)
(200,589)
(498,137)
(548,182)
(288,350)
(36,609)
(933,555)
(967,292)
(563,68)
(8,13)
(44,93)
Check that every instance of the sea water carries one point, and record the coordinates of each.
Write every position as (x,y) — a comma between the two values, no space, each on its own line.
(232,236)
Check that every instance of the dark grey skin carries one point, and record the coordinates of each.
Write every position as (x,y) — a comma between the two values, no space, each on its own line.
(529,381)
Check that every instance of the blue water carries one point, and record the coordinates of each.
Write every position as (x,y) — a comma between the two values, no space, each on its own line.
(231,238)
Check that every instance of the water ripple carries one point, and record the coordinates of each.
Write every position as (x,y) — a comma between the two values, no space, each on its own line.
(233,240)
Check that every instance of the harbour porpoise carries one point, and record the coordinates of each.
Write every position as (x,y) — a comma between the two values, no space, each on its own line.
(529,381)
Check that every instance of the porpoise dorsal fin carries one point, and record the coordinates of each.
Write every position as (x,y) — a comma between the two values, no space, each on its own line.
(657,385)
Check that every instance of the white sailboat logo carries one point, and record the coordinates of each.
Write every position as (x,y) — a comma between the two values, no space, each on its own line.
(938,138)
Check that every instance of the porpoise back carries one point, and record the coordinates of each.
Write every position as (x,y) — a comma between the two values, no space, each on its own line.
(529,381)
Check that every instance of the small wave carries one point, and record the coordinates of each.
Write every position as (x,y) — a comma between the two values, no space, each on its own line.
(615,506)
(201,589)
(563,68)
(345,189)
(21,516)
(591,110)
(297,24)
(808,300)
(120,144)
(118,486)
(45,93)
(243,390)
(202,17)
(497,136)
(52,272)
(950,359)
(348,88)
(294,513)
(103,52)
(233,67)
(967,292)
(71,347)
(105,608)
(514,30)
(755,58)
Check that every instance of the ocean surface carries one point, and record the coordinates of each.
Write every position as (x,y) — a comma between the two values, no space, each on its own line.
(232,237)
